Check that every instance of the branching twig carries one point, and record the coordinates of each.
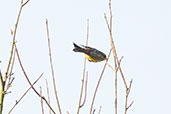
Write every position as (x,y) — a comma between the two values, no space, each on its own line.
(51,65)
(3,81)
(117,63)
(10,74)
(109,25)
(98,83)
(24,94)
(84,69)
(29,80)
(114,51)
(13,37)
(126,98)
(112,67)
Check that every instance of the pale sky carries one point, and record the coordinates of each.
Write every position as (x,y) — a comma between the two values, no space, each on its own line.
(141,31)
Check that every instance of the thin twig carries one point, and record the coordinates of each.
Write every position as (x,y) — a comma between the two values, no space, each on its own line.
(51,66)
(100,110)
(87,32)
(84,69)
(85,96)
(120,60)
(94,111)
(1,79)
(29,80)
(41,100)
(47,88)
(111,67)
(82,86)
(98,83)
(130,105)
(126,97)
(24,94)
(10,74)
(114,68)
(115,59)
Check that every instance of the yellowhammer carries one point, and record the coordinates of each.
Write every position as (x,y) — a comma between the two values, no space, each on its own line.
(92,54)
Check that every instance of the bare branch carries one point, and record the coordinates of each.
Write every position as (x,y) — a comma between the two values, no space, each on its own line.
(98,83)
(126,97)
(23,4)
(3,81)
(17,101)
(114,51)
(10,74)
(85,96)
(51,66)
(13,38)
(84,68)
(120,60)
(130,105)
(29,80)
(109,25)
(111,67)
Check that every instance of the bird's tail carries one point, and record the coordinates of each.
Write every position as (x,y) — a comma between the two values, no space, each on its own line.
(78,48)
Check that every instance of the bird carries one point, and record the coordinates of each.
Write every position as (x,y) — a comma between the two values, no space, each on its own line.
(92,54)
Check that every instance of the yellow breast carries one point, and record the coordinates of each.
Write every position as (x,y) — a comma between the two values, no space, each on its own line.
(91,59)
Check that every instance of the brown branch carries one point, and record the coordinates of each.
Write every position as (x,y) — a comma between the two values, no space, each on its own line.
(51,65)
(84,69)
(117,63)
(114,51)
(109,25)
(85,96)
(120,60)
(3,81)
(47,88)
(98,83)
(13,38)
(10,74)
(82,86)
(126,97)
(29,80)
(24,94)
(41,100)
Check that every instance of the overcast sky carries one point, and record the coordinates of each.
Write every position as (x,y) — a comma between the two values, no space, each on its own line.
(141,31)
